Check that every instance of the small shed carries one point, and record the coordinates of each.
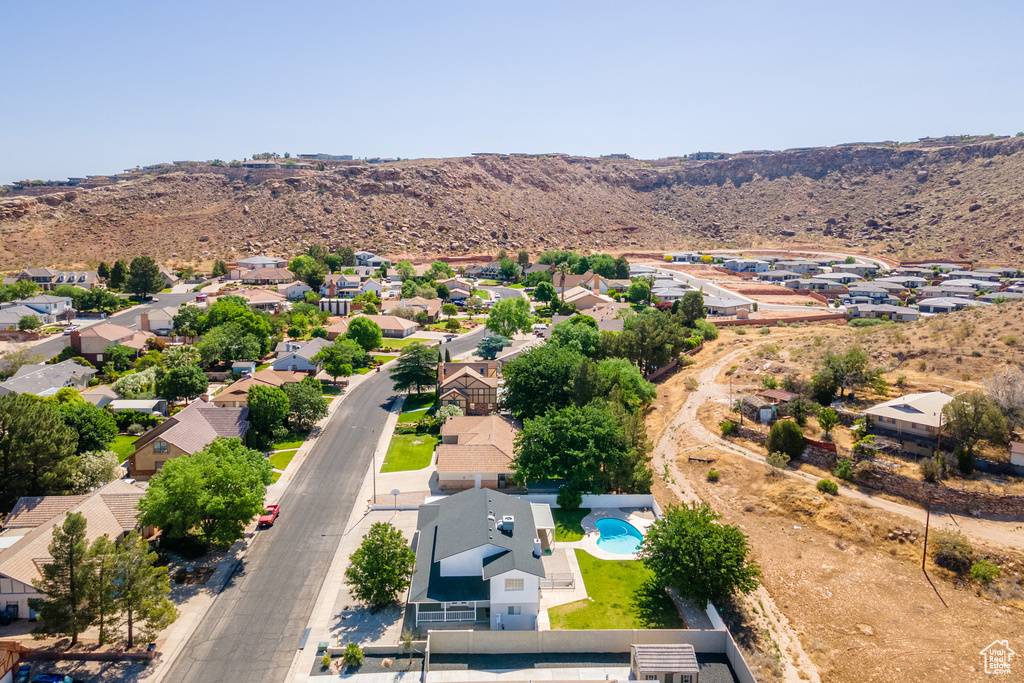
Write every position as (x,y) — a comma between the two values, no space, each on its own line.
(672,663)
(243,367)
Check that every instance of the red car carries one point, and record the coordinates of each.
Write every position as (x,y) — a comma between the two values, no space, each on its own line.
(268,517)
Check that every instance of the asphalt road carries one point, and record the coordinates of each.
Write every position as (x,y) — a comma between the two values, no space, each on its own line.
(52,347)
(253,629)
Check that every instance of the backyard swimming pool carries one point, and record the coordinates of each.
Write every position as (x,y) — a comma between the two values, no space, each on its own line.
(618,537)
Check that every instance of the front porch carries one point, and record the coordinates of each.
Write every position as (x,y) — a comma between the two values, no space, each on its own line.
(434,614)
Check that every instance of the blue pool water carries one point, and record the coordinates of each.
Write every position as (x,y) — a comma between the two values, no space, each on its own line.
(618,537)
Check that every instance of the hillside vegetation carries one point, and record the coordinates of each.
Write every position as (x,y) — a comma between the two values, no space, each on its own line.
(959,201)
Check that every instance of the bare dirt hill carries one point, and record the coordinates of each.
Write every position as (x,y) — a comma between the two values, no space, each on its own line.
(961,201)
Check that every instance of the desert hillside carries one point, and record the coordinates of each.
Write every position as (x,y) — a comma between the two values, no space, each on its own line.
(962,200)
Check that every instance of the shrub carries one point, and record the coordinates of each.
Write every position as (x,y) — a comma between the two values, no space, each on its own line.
(325,661)
(844,469)
(730,428)
(984,572)
(930,469)
(125,418)
(769,382)
(828,486)
(690,383)
(713,475)
(569,498)
(952,551)
(135,428)
(964,460)
(353,655)
(741,330)
(776,463)
(765,330)
(786,437)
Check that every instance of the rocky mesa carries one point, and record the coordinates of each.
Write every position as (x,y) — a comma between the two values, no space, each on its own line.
(963,201)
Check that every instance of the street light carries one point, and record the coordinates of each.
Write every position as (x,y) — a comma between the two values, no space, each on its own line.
(373,466)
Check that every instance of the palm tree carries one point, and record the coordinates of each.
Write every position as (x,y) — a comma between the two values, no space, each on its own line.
(563,270)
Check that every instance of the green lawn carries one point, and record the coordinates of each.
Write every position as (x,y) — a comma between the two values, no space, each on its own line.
(274,476)
(383,359)
(122,445)
(621,596)
(417,401)
(568,525)
(409,452)
(402,343)
(413,416)
(361,371)
(292,441)
(280,460)
(518,285)
(490,283)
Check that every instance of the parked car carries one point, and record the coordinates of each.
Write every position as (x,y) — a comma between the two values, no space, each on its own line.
(268,517)
(21,676)
(69,329)
(52,678)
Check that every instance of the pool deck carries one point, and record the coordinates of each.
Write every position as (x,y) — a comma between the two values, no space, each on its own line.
(639,518)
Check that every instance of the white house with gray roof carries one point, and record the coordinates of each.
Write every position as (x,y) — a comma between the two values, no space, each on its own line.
(46,380)
(298,355)
(479,560)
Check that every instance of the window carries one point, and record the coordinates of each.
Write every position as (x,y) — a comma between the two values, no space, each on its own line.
(159,446)
(514,585)
(651,677)
(514,610)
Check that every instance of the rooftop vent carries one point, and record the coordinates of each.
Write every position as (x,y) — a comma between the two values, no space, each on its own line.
(508,523)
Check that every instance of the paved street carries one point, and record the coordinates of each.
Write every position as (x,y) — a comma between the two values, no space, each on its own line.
(254,628)
(51,347)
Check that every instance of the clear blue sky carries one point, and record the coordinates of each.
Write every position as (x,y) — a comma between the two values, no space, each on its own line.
(97,87)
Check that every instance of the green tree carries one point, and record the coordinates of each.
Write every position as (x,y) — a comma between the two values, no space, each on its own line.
(971,417)
(508,269)
(189,322)
(180,356)
(545,292)
(405,270)
(366,333)
(828,418)
(638,292)
(103,586)
(94,469)
(849,370)
(306,404)
(541,378)
(103,271)
(339,358)
(144,277)
(416,368)
(449,310)
(348,256)
(230,342)
(37,450)
(510,316)
(578,445)
(635,391)
(95,426)
(523,259)
(66,580)
(382,566)
(118,357)
(651,339)
(29,322)
(13,361)
(214,492)
(118,275)
(490,346)
(689,550)
(220,269)
(621,268)
(268,408)
(823,388)
(785,436)
(563,269)
(183,382)
(691,308)
(585,337)
(440,270)
(142,589)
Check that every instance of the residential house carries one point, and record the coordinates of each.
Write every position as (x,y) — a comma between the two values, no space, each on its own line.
(48,278)
(1017,453)
(363,257)
(746,265)
(491,269)
(584,298)
(294,291)
(803,266)
(673,293)
(908,281)
(668,663)
(46,380)
(479,560)
(946,290)
(475,451)
(41,276)
(886,311)
(870,291)
(717,305)
(485,368)
(12,313)
(1005,271)
(237,395)
(474,393)
(90,342)
(297,356)
(432,307)
(258,299)
(341,285)
(779,276)
(683,257)
(914,420)
(47,304)
(255,262)
(915,270)
(159,321)
(841,278)
(372,285)
(862,269)
(458,289)
(814,284)
(636,270)
(170,279)
(153,406)
(946,304)
(267,276)
(101,395)
(394,327)
(189,430)
(243,367)
(337,327)
(993,297)
(984,275)
(28,531)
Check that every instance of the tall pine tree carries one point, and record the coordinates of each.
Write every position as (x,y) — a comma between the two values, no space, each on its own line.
(66,609)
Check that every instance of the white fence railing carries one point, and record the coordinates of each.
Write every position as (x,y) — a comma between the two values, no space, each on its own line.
(558,581)
(450,615)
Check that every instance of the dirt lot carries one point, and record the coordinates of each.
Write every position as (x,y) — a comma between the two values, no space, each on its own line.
(857,603)
(705,272)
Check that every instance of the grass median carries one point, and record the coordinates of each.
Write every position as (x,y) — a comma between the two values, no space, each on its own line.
(409,452)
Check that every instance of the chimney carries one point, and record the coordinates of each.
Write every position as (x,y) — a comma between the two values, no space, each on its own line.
(597,283)
(536,548)
(144,322)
